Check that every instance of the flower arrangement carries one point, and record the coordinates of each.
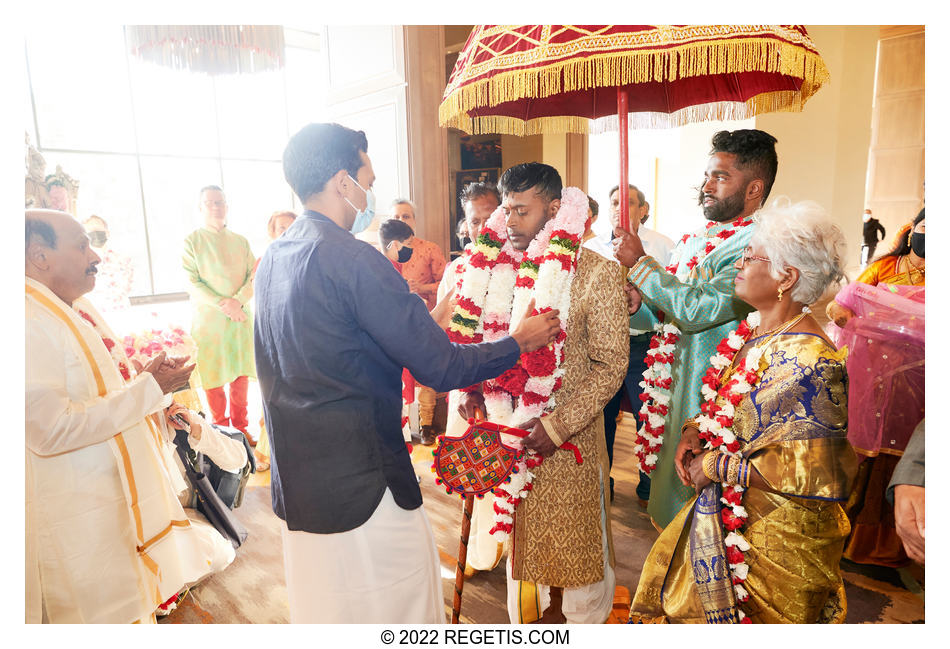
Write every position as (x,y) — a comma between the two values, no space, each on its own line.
(173,340)
(496,287)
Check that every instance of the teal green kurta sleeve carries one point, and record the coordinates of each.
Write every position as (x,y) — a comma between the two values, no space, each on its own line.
(692,306)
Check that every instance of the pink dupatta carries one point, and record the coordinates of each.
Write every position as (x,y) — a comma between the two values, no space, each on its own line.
(885,340)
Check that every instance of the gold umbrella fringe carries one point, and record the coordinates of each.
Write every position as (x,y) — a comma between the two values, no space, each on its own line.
(779,101)
(610,69)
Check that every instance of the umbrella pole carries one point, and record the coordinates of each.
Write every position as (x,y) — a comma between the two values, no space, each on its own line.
(624,175)
(463,555)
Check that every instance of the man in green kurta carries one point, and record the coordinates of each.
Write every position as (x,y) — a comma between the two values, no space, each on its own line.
(220,269)
(696,293)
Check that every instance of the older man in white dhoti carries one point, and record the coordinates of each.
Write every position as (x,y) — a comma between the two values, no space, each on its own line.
(106,538)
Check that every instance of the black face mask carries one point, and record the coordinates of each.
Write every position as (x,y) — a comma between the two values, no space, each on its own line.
(404,254)
(917,243)
(98,238)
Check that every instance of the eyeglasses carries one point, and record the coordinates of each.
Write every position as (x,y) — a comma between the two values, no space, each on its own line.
(747,257)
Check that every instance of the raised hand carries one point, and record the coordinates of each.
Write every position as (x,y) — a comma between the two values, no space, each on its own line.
(627,247)
(534,332)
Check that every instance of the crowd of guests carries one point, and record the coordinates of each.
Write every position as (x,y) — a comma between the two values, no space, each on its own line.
(748,463)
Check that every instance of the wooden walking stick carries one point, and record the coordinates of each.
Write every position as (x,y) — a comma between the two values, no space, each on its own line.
(463,555)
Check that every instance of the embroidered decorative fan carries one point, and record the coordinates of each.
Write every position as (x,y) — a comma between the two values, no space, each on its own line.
(478,461)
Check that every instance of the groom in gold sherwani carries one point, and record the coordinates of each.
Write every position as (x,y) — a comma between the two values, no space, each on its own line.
(560,565)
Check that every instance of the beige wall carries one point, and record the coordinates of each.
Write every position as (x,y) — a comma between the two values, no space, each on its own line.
(896,163)
(429,185)
(823,151)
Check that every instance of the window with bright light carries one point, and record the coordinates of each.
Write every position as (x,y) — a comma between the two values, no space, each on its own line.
(142,139)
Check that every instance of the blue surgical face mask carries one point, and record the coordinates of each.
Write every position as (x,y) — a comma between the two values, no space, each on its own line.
(365,216)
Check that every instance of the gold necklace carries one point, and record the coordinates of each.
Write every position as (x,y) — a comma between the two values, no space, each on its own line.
(782,328)
(788,324)
(910,265)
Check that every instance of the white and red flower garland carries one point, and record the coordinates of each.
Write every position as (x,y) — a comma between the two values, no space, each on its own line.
(657,387)
(715,428)
(712,243)
(497,285)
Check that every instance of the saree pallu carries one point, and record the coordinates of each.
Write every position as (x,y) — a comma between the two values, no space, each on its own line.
(793,430)
(885,404)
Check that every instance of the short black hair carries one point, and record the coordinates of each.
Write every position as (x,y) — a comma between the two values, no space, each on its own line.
(640,195)
(531,174)
(393,230)
(38,228)
(754,151)
(594,205)
(318,151)
(473,191)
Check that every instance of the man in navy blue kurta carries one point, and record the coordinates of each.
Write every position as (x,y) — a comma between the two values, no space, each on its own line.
(335,324)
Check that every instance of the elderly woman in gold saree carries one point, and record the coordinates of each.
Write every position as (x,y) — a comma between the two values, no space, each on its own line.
(762,540)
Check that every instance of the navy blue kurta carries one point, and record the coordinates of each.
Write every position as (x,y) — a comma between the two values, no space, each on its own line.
(334,326)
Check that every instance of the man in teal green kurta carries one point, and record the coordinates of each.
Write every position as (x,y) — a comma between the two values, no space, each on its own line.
(220,269)
(700,300)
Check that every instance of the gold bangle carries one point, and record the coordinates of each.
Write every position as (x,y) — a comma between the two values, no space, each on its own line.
(709,465)
(732,472)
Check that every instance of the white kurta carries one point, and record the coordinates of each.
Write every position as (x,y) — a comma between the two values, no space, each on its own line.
(82,561)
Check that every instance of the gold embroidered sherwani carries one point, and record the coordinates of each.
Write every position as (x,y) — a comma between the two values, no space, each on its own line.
(793,430)
(557,539)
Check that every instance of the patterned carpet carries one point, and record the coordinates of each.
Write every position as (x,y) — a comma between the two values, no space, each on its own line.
(252,590)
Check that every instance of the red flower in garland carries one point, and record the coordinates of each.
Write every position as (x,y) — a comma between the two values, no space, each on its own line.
(109,343)
(731,521)
(692,263)
(512,381)
(531,398)
(734,555)
(468,305)
(732,496)
(540,362)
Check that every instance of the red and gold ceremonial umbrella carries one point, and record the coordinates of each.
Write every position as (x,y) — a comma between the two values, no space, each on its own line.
(530,79)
